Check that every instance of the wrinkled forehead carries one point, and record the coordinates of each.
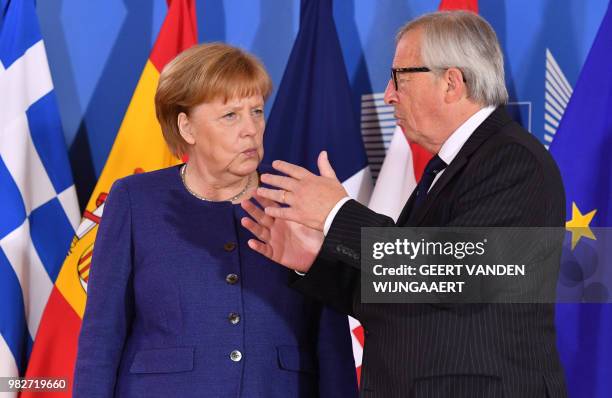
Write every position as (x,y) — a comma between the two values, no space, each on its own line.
(408,50)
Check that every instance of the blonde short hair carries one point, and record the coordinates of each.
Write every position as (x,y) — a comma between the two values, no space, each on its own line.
(204,73)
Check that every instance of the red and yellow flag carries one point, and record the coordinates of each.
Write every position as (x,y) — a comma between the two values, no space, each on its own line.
(139,147)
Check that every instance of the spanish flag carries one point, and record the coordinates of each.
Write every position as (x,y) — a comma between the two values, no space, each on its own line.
(139,147)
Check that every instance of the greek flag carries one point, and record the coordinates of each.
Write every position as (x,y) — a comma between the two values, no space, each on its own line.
(38,205)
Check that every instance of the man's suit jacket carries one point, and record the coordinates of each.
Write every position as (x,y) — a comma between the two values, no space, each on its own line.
(179,306)
(502,176)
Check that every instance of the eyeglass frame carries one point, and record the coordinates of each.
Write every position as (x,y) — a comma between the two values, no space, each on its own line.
(411,69)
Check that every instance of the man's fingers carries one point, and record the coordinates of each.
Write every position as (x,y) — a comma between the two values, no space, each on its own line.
(261,248)
(257,213)
(286,183)
(283,213)
(265,202)
(290,169)
(259,231)
(325,168)
(277,195)
(276,212)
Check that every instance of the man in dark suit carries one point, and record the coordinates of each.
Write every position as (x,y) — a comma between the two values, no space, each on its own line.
(447,88)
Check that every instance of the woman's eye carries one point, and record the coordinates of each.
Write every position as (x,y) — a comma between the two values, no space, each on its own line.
(230,116)
(258,112)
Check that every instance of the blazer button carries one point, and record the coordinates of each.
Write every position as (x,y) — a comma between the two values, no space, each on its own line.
(232,279)
(236,356)
(229,246)
(234,318)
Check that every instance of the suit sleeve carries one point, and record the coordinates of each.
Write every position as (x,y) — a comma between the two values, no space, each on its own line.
(337,374)
(109,309)
(505,189)
(334,277)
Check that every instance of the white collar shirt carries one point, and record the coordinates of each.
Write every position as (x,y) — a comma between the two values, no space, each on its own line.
(458,138)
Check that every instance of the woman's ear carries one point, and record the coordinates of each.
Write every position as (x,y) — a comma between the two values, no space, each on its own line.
(185,128)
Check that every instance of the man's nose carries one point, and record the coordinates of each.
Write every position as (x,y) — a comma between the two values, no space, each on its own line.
(390,94)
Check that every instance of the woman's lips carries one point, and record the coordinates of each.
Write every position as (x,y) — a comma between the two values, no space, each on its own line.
(250,152)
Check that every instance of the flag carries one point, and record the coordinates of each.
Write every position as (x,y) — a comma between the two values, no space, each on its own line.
(313,111)
(398,176)
(580,148)
(404,162)
(38,204)
(138,147)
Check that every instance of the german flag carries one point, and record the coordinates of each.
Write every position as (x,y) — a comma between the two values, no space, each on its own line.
(139,147)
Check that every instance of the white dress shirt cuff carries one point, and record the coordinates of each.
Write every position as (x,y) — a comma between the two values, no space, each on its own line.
(332,214)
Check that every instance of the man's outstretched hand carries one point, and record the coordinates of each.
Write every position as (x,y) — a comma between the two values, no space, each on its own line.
(309,197)
(286,242)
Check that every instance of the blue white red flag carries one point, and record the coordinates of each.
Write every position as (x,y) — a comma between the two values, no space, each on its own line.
(313,111)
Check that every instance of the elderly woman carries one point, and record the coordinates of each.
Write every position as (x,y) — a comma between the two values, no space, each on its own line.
(178,305)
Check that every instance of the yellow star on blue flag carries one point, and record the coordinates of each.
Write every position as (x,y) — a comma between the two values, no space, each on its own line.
(580,148)
(579,225)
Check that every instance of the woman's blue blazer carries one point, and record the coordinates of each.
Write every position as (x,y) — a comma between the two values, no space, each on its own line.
(179,306)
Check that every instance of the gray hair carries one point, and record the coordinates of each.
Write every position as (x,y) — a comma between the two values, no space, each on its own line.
(463,40)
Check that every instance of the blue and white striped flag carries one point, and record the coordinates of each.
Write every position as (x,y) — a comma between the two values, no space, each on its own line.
(38,205)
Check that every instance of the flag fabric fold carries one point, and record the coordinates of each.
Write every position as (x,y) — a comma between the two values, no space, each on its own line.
(397,177)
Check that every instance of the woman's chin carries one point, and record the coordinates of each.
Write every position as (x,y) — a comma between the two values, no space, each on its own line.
(248,166)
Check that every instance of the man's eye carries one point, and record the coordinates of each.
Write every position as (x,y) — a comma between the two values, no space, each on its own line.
(401,81)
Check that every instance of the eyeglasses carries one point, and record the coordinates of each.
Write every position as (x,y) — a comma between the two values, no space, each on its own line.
(415,69)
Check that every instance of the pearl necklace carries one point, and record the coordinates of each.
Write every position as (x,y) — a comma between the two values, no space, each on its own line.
(233,198)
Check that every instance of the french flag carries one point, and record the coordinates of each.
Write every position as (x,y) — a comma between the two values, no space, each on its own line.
(313,111)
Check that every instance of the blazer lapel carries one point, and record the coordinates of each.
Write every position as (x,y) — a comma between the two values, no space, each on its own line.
(491,125)
(448,174)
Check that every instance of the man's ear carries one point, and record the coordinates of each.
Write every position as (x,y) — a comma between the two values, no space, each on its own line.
(455,86)
(185,128)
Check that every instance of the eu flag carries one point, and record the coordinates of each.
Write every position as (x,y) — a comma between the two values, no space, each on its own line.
(581,148)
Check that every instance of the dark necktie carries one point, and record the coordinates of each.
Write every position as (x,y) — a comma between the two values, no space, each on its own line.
(434,166)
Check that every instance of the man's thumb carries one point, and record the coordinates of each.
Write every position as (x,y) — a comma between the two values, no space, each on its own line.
(325,168)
